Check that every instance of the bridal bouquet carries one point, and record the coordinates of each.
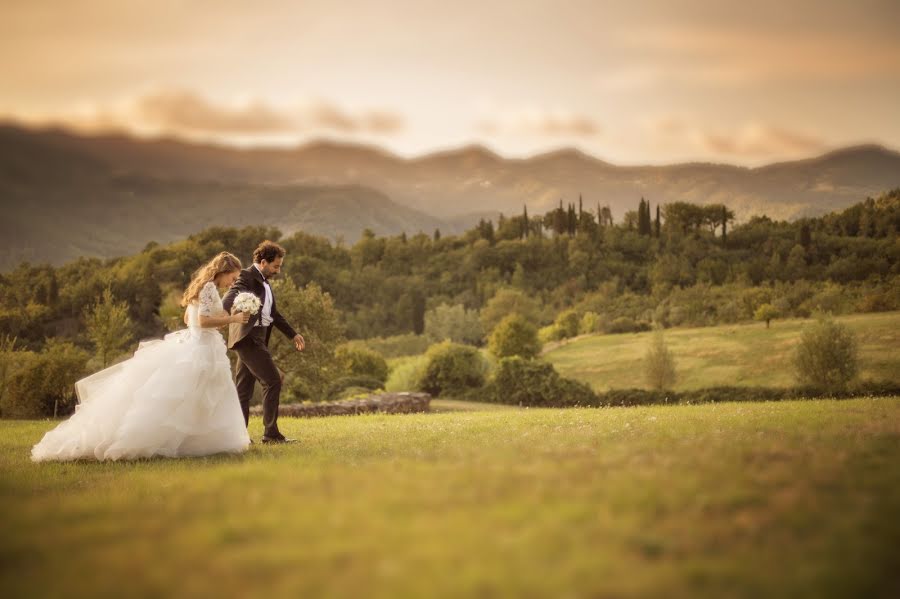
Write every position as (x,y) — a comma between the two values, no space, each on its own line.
(246,302)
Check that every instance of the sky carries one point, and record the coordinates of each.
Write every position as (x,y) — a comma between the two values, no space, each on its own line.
(630,82)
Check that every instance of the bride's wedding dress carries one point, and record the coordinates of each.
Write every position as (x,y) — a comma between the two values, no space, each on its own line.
(175,397)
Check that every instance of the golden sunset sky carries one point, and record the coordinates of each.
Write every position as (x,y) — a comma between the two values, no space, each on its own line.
(627,81)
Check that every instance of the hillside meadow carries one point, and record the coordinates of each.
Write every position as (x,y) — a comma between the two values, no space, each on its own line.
(792,498)
(739,355)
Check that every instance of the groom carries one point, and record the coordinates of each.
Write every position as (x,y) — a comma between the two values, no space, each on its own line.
(251,340)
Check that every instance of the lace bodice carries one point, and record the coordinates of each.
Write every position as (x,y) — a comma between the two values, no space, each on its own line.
(208,304)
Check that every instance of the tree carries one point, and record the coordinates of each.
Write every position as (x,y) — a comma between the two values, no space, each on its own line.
(827,356)
(659,365)
(505,302)
(312,311)
(643,218)
(568,322)
(108,326)
(514,336)
(766,312)
(454,323)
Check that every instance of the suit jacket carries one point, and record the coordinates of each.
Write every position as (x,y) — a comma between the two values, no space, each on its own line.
(252,280)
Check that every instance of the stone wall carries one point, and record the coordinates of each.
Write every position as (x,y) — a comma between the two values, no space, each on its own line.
(387,403)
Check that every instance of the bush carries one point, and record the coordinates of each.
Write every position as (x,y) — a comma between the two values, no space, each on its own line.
(827,356)
(43,384)
(533,383)
(514,336)
(355,383)
(568,323)
(406,373)
(452,369)
(549,333)
(659,365)
(357,360)
(625,324)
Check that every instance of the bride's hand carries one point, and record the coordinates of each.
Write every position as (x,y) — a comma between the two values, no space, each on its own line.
(241,317)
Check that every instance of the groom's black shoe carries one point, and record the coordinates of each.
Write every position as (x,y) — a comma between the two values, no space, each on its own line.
(278,439)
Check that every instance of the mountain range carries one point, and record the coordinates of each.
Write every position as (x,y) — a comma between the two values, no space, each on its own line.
(63,195)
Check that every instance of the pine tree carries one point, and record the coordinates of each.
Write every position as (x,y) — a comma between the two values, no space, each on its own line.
(437,234)
(525,223)
(657,221)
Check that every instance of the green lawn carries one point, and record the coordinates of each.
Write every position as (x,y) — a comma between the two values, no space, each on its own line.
(743,355)
(738,500)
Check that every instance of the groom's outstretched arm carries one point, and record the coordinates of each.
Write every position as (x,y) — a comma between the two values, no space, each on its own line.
(242,283)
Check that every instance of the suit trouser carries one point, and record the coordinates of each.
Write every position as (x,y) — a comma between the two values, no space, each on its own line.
(255,364)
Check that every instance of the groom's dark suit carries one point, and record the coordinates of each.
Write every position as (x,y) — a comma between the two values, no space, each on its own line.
(251,342)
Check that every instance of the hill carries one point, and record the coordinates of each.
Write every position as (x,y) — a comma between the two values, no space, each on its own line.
(732,355)
(65,195)
(738,500)
(474,179)
(60,203)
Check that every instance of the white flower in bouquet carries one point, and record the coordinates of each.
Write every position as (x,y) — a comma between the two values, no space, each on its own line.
(246,302)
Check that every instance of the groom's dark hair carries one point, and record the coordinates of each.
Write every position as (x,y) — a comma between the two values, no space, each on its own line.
(268,251)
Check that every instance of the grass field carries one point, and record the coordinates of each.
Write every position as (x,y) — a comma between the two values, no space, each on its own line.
(742,355)
(725,500)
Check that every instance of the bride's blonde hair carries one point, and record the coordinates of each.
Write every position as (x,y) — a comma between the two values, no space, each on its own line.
(223,263)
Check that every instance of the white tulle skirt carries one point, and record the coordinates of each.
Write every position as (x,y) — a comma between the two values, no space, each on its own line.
(175,397)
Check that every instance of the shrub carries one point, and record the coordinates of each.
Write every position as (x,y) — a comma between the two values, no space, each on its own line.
(406,373)
(568,322)
(659,365)
(827,356)
(355,383)
(451,369)
(43,384)
(357,360)
(625,324)
(514,336)
(534,383)
(549,333)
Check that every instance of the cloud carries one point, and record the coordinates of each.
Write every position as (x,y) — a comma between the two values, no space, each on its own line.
(541,123)
(761,140)
(182,112)
(752,142)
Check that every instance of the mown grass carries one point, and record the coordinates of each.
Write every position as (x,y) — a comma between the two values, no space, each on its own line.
(743,500)
(741,355)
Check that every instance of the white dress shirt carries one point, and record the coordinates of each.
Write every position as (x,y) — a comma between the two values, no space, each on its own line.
(266,319)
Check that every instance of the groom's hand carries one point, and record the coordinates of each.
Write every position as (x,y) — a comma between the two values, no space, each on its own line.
(299,343)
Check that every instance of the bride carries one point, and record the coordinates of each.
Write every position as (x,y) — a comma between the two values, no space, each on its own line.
(175,397)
